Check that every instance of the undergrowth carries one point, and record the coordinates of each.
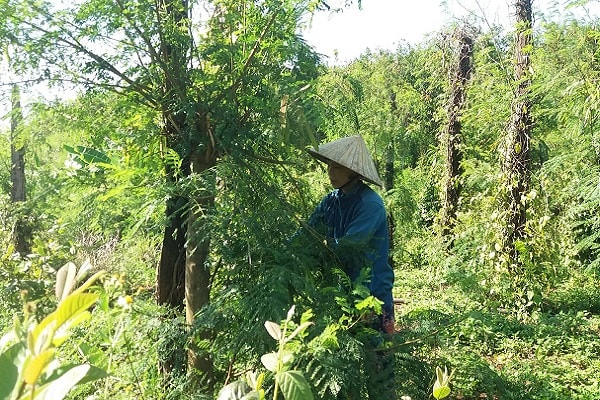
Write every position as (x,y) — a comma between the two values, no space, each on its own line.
(498,355)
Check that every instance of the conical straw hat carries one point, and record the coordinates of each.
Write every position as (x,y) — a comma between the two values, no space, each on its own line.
(352,153)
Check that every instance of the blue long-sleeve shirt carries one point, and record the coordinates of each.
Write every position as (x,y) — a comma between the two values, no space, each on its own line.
(357,230)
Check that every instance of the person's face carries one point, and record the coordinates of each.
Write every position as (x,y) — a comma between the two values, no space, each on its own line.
(338,174)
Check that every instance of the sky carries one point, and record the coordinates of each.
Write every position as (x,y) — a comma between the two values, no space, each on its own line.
(383,24)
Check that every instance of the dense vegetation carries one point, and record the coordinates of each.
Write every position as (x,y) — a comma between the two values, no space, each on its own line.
(104,179)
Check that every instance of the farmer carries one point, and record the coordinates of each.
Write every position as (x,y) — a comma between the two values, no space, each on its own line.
(355,219)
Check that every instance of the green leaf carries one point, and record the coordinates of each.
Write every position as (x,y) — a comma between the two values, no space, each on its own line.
(287,357)
(439,375)
(307,316)
(10,360)
(58,388)
(298,330)
(440,392)
(73,305)
(94,355)
(255,379)
(94,373)
(85,268)
(36,365)
(62,333)
(294,386)
(88,155)
(71,311)
(253,395)
(369,303)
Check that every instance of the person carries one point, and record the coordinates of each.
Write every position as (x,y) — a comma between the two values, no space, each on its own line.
(354,218)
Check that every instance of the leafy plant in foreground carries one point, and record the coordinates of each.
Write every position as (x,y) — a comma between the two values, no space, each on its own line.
(28,367)
(441,387)
(292,383)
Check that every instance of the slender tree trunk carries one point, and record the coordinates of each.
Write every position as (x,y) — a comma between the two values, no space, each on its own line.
(388,176)
(197,268)
(451,138)
(516,150)
(17,174)
(390,151)
(170,279)
(171,268)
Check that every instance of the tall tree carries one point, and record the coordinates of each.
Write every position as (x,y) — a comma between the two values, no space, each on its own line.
(516,147)
(452,137)
(214,78)
(18,192)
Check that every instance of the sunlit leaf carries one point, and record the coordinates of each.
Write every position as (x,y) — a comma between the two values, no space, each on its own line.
(36,365)
(73,305)
(234,391)
(294,386)
(440,392)
(85,268)
(291,312)
(270,362)
(274,330)
(287,357)
(62,333)
(10,360)
(65,280)
(57,389)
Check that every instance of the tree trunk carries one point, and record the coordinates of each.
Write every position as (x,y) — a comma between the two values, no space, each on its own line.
(451,138)
(197,268)
(171,267)
(389,172)
(516,149)
(388,176)
(18,192)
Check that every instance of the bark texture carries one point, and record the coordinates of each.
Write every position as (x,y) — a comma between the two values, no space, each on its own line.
(18,194)
(451,138)
(516,150)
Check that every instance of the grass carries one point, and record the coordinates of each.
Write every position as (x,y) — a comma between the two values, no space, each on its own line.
(552,354)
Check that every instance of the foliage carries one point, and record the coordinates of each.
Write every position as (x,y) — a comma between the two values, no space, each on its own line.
(292,383)
(28,359)
(531,336)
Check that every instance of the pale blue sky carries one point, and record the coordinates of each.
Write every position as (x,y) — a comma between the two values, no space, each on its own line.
(382,24)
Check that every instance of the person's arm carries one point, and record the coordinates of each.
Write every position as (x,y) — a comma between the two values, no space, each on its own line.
(318,215)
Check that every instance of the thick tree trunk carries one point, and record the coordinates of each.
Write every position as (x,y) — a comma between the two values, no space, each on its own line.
(18,192)
(516,149)
(451,138)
